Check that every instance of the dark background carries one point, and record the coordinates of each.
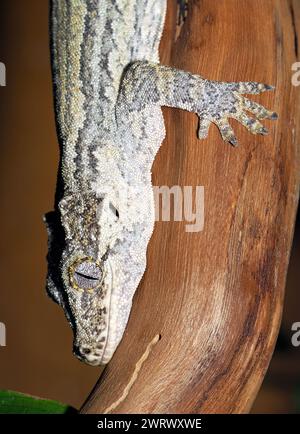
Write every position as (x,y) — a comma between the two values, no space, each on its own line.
(38,359)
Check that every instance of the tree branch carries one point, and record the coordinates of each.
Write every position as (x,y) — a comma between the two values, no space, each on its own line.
(215,297)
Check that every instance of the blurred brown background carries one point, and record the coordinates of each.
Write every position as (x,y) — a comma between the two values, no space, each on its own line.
(38,357)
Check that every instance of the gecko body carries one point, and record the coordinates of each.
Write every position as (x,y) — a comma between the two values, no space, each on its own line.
(109,88)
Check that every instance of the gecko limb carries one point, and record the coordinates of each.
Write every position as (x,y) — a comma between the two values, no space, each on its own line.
(146,83)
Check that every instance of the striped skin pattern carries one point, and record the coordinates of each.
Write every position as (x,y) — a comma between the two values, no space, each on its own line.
(109,88)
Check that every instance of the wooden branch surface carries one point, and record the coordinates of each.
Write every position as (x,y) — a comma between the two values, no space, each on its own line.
(215,297)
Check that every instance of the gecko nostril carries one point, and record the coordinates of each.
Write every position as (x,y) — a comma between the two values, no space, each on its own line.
(81,351)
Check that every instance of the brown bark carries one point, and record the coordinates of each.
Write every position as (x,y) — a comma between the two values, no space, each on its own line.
(215,297)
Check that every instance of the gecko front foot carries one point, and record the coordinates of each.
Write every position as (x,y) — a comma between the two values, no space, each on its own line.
(145,83)
(221,101)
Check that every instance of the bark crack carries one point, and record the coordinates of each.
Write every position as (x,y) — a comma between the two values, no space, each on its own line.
(134,376)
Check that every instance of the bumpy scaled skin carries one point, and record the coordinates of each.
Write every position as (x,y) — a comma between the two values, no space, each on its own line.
(109,88)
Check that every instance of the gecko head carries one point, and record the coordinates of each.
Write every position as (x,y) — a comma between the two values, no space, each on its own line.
(96,259)
(80,276)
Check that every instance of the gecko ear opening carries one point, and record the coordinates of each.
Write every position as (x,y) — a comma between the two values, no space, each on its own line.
(114,210)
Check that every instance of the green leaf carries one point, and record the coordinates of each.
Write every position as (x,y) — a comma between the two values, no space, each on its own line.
(19,403)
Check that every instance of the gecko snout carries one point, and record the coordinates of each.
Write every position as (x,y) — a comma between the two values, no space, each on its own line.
(87,354)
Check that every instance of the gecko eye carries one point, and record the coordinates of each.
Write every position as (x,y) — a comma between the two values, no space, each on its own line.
(85,274)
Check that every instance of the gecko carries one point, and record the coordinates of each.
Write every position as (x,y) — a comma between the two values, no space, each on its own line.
(109,87)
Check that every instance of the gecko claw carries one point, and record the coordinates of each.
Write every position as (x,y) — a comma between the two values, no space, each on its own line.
(263,131)
(234,142)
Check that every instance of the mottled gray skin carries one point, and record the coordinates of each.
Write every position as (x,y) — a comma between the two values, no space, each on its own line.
(109,87)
